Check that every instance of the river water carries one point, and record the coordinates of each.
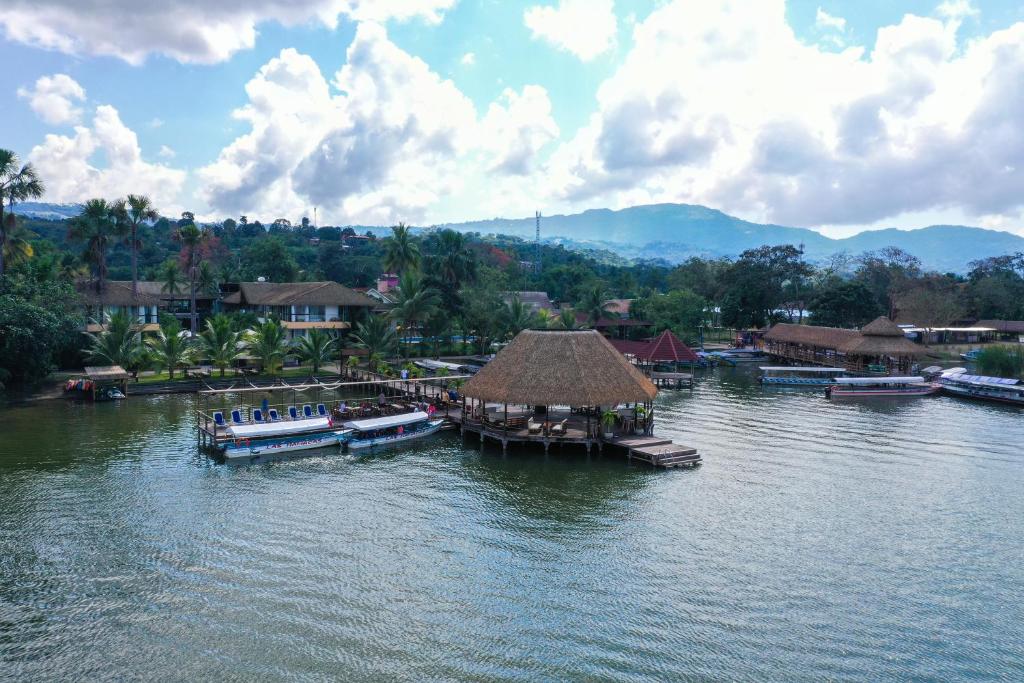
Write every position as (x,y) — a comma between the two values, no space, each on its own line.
(819,540)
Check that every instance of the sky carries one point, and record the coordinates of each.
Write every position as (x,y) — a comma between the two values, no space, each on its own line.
(833,115)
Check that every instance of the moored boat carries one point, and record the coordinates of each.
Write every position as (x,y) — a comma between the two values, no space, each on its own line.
(280,436)
(799,376)
(885,387)
(1000,389)
(391,429)
(246,448)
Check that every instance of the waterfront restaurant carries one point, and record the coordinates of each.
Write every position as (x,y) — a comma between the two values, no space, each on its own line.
(554,386)
(880,346)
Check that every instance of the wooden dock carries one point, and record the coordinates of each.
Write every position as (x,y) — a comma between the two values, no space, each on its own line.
(672,380)
(658,452)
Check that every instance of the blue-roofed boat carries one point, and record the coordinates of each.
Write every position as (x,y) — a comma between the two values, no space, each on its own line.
(971,356)
(380,431)
(261,439)
(881,387)
(1001,389)
(799,376)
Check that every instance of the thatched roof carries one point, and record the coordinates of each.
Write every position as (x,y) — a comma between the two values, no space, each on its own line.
(297,293)
(881,337)
(809,335)
(115,293)
(574,368)
(106,373)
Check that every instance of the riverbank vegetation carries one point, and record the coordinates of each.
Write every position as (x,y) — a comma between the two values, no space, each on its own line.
(455,291)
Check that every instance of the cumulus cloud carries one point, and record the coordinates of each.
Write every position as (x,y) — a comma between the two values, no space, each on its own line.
(516,127)
(824,20)
(166,152)
(54,99)
(755,121)
(956,9)
(586,28)
(66,164)
(468,59)
(194,31)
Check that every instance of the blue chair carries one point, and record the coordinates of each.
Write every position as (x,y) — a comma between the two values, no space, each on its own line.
(218,419)
(257,415)
(321,410)
(236,417)
(307,410)
(273,415)
(292,413)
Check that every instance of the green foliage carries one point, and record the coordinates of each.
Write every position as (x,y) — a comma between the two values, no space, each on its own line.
(269,257)
(376,336)
(220,342)
(118,344)
(415,304)
(1002,361)
(681,311)
(315,348)
(401,251)
(268,343)
(171,347)
(518,316)
(844,304)
(30,338)
(97,227)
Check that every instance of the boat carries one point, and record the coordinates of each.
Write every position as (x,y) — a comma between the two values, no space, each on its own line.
(886,387)
(281,436)
(379,431)
(1001,389)
(734,356)
(971,356)
(799,376)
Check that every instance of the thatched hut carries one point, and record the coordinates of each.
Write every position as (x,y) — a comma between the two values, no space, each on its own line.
(544,368)
(881,346)
(808,344)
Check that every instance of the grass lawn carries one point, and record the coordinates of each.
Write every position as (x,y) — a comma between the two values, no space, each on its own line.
(179,376)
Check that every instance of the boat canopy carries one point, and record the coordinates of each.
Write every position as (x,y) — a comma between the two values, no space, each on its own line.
(385,422)
(263,429)
(437,365)
(879,380)
(981,380)
(785,368)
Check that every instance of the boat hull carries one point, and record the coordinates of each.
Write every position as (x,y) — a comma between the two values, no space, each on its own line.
(356,443)
(929,390)
(285,445)
(797,381)
(982,394)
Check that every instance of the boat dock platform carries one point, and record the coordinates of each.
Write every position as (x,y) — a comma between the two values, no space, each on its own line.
(672,380)
(658,452)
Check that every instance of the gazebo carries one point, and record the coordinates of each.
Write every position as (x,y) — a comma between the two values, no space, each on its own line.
(549,371)
(881,346)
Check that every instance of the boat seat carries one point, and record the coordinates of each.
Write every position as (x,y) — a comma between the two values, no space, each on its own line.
(321,410)
(293,413)
(218,419)
(257,415)
(273,415)
(236,417)
(307,410)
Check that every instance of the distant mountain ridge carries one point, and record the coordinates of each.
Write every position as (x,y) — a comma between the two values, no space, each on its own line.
(675,232)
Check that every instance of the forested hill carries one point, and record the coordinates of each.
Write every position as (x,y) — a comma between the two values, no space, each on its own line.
(677,231)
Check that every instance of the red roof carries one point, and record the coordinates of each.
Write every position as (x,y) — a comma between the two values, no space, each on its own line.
(666,347)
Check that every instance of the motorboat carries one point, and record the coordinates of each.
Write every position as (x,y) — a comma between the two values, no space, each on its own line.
(391,429)
(885,387)
(799,376)
(1001,389)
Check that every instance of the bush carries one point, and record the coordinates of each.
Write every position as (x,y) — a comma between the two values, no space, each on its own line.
(1002,361)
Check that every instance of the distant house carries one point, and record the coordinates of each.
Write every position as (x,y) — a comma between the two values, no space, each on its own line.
(618,307)
(1007,330)
(536,301)
(145,306)
(301,306)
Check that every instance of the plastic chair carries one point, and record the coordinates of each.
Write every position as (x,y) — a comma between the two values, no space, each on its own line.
(321,410)
(236,417)
(218,419)
(292,413)
(307,410)
(257,415)
(273,415)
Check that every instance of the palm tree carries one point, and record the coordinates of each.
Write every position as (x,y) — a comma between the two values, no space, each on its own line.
(207,280)
(376,335)
(401,252)
(565,320)
(16,248)
(16,185)
(415,303)
(267,342)
(98,227)
(118,344)
(191,237)
(170,277)
(595,303)
(518,316)
(315,348)
(220,342)
(138,210)
(171,347)
(456,264)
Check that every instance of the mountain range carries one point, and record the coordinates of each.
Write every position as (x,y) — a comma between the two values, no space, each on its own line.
(674,232)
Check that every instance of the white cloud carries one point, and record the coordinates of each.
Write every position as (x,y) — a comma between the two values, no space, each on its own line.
(756,122)
(516,128)
(156,122)
(956,10)
(166,152)
(468,59)
(195,31)
(54,99)
(824,20)
(586,28)
(65,163)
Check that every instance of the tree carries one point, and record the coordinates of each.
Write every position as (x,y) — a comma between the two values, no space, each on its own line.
(315,348)
(271,259)
(681,311)
(30,336)
(595,303)
(191,237)
(118,344)
(518,317)
(401,252)
(207,279)
(566,320)
(16,185)
(376,335)
(844,304)
(268,342)
(171,278)
(97,227)
(171,347)
(886,273)
(416,302)
(17,248)
(220,342)
(754,284)
(139,209)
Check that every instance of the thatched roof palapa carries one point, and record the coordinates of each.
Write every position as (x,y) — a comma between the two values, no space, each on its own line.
(106,373)
(809,335)
(881,337)
(574,368)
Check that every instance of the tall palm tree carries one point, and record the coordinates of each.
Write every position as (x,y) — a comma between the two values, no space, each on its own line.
(97,227)
(268,342)
(518,316)
(16,245)
(207,279)
(191,237)
(170,277)
(16,185)
(456,264)
(566,320)
(139,209)
(401,251)
(376,335)
(220,342)
(415,303)
(595,303)
(118,344)
(315,348)
(171,348)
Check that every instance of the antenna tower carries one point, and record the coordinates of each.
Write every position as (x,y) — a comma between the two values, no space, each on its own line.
(536,244)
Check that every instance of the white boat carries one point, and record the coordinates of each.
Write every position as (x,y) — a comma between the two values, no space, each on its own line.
(263,430)
(886,387)
(379,431)
(246,448)
(1001,389)
(799,376)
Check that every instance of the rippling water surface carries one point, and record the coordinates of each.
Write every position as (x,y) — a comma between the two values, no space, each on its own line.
(820,540)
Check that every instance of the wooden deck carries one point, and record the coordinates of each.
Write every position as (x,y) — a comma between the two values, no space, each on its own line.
(672,380)
(659,452)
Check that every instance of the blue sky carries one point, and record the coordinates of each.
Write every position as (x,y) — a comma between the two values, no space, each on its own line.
(832,115)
